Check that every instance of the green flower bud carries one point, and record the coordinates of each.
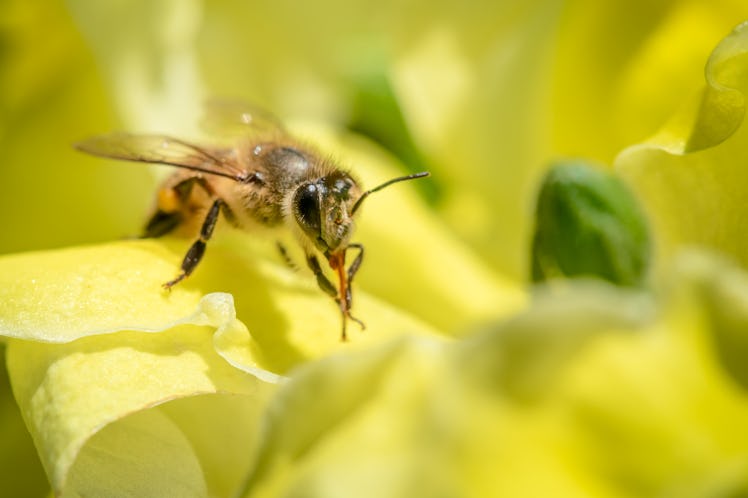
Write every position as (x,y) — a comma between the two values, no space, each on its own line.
(588,224)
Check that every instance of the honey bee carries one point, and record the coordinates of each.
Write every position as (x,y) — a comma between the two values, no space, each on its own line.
(264,177)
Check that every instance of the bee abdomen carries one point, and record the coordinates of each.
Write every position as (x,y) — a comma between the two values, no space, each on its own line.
(162,223)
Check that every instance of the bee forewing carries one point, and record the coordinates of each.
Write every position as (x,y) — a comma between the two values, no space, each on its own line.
(161,149)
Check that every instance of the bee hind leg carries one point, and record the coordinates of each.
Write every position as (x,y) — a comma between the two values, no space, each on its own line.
(196,251)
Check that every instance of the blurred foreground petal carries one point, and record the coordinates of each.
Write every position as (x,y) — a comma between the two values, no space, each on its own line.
(593,391)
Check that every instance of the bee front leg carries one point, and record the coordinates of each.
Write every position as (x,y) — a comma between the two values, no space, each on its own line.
(323,282)
(196,251)
(352,270)
(328,288)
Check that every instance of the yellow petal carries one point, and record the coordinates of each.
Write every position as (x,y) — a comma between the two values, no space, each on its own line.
(20,470)
(69,391)
(59,296)
(492,94)
(142,455)
(691,175)
(624,68)
(63,295)
(52,96)
(221,430)
(471,81)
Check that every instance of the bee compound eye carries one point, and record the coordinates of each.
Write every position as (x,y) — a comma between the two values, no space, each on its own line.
(307,210)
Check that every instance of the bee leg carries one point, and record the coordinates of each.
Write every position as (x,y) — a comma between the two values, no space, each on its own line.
(327,287)
(323,282)
(168,215)
(286,257)
(196,251)
(352,270)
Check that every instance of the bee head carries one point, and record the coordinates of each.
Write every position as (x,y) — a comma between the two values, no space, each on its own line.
(322,209)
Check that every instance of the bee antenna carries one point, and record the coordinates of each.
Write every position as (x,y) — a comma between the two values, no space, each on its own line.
(413,176)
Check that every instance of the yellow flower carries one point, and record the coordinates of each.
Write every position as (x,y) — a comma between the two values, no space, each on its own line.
(103,362)
(129,390)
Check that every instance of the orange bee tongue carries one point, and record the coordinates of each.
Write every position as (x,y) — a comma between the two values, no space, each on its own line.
(336,260)
(337,263)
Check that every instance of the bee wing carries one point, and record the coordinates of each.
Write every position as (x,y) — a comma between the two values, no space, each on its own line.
(237,119)
(161,149)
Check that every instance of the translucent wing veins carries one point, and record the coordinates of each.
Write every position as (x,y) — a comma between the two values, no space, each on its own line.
(161,149)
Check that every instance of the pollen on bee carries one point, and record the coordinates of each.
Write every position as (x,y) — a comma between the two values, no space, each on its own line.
(168,200)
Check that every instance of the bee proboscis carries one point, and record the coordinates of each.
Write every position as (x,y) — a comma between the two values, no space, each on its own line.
(265,177)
